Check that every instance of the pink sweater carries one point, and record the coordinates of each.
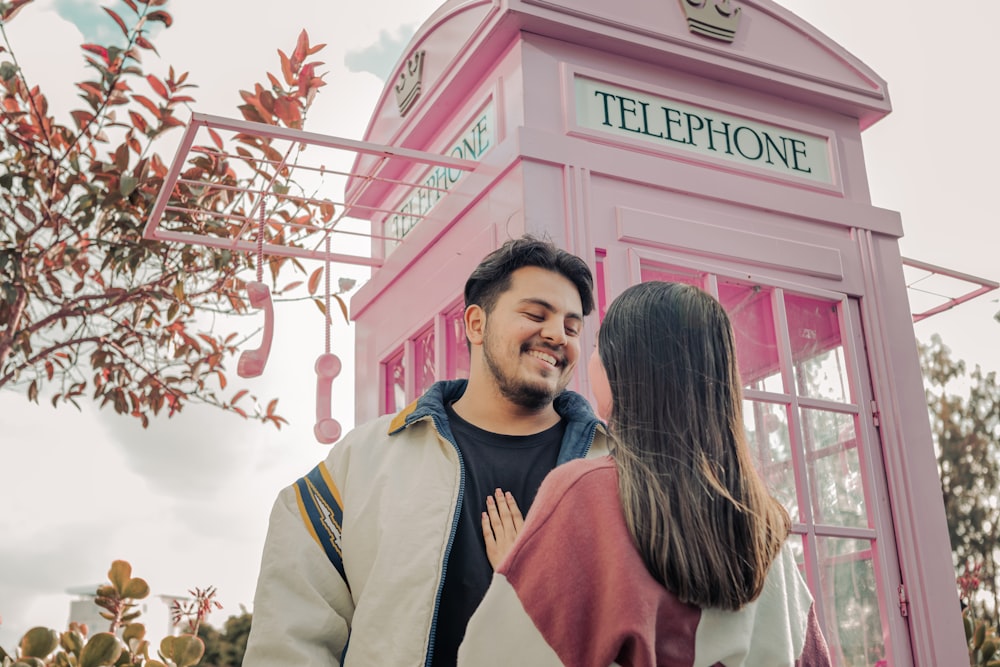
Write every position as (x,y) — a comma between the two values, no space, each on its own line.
(575,591)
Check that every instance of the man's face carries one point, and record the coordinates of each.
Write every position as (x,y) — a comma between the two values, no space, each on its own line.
(531,339)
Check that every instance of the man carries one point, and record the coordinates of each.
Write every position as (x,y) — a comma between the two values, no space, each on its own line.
(377,556)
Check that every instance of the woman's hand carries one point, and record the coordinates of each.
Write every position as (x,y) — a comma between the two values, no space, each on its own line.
(502,522)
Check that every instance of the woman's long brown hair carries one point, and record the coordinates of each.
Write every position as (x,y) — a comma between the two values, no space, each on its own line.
(699,513)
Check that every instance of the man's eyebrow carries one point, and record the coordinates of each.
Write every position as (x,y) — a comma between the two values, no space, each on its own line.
(549,307)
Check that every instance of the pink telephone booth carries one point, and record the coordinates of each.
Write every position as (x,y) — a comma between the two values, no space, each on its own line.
(710,142)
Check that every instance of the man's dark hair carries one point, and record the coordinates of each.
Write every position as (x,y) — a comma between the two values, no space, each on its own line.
(493,275)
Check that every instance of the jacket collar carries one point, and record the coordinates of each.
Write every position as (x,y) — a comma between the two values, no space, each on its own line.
(570,405)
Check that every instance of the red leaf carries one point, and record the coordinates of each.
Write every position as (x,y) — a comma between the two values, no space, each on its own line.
(12,8)
(92,88)
(99,50)
(240,394)
(314,280)
(146,102)
(157,86)
(222,379)
(161,16)
(305,78)
(286,68)
(301,47)
(216,139)
(146,44)
(343,308)
(271,406)
(117,19)
(138,121)
(81,117)
(50,369)
(327,210)
(287,110)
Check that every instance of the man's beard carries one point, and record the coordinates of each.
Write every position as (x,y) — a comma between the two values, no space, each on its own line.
(523,394)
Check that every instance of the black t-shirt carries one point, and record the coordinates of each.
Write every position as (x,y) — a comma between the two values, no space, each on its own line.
(510,462)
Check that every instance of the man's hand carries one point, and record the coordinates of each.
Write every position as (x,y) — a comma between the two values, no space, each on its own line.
(502,522)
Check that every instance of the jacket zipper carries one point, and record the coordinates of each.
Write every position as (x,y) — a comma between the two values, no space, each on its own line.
(451,540)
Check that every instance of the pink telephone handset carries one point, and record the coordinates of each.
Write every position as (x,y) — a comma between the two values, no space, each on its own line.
(326,430)
(251,363)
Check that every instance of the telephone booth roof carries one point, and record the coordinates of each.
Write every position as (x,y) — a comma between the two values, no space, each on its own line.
(774,52)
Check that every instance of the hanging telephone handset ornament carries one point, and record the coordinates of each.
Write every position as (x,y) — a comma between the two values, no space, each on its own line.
(327,430)
(251,362)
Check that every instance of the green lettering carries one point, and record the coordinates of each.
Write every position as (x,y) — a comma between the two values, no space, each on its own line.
(782,152)
(739,147)
(724,132)
(623,111)
(691,128)
(607,111)
(675,120)
(796,152)
(645,122)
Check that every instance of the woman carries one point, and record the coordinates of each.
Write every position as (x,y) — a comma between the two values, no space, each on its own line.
(669,552)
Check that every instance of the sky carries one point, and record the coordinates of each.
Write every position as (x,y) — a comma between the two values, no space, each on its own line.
(187,500)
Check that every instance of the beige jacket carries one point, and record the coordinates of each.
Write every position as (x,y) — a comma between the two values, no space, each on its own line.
(353,561)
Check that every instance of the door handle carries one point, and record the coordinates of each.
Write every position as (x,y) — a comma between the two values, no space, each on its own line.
(326,430)
(251,363)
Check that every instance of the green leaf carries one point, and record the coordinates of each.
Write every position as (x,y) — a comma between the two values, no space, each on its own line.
(119,575)
(167,647)
(72,642)
(136,589)
(39,642)
(188,650)
(101,650)
(127,185)
(8,71)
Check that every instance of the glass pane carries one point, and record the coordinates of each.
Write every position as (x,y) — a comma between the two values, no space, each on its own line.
(457,347)
(766,427)
(671,274)
(850,600)
(831,445)
(817,349)
(423,351)
(395,383)
(751,312)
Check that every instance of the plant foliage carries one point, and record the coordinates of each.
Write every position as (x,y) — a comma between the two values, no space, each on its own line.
(88,307)
(124,644)
(967,433)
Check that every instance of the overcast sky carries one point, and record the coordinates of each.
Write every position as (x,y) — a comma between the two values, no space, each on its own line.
(187,500)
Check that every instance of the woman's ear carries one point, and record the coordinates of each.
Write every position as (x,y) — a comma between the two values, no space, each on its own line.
(475,324)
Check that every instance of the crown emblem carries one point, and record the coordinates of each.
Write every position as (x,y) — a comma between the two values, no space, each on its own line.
(408,84)
(716,19)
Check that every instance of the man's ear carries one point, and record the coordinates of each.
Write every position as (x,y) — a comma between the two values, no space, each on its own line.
(475,324)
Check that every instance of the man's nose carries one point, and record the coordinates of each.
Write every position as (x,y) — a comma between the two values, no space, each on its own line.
(554,332)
